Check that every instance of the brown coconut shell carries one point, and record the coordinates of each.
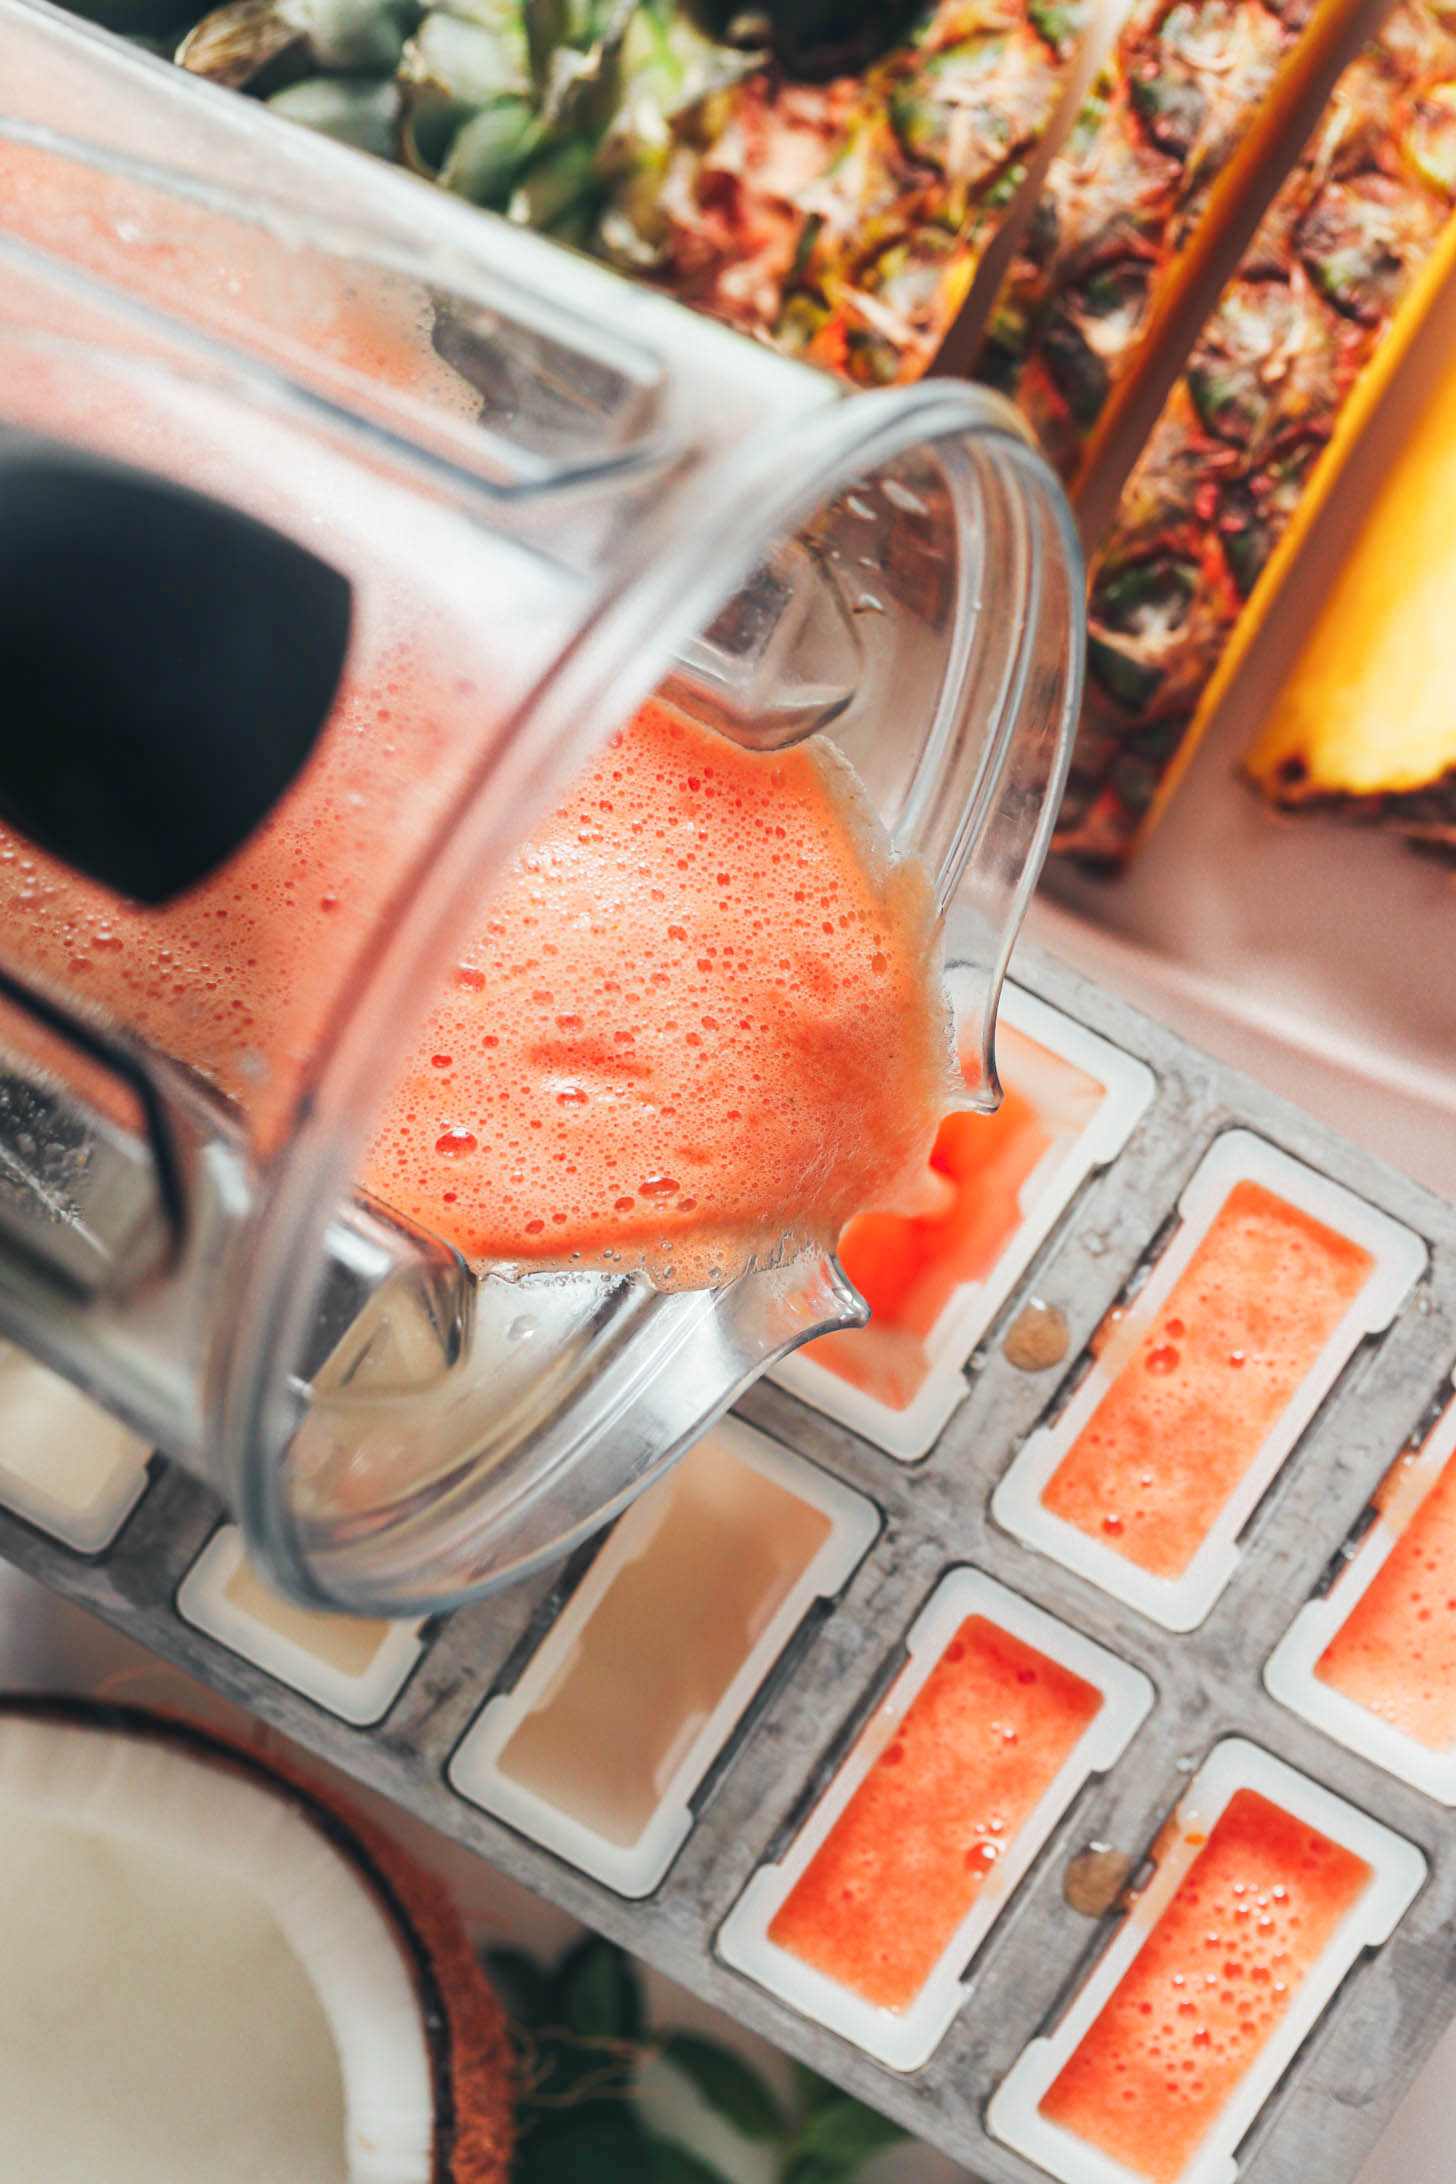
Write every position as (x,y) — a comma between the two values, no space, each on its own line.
(465,2026)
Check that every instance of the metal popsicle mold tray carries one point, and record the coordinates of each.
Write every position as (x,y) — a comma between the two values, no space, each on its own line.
(870,1609)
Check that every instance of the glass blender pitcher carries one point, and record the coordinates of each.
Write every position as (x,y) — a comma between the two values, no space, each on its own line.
(553,494)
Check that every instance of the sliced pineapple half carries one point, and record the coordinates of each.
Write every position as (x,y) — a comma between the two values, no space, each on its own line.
(1276,393)
(1366,723)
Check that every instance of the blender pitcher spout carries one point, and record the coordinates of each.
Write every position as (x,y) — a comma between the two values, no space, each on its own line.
(980,809)
(998,754)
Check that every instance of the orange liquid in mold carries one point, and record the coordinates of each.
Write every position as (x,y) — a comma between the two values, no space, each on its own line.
(1395,1653)
(974,1754)
(1207,1990)
(701,1020)
(908,1267)
(1188,1412)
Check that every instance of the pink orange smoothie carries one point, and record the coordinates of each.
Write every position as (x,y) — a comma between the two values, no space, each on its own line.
(1395,1653)
(1187,1413)
(978,1748)
(699,1017)
(1207,1990)
(700,1021)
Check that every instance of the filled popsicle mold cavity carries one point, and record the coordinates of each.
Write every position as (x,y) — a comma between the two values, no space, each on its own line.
(1201,1386)
(1266,1889)
(1373,1663)
(354,1666)
(602,1744)
(65,1464)
(934,1281)
(871,1916)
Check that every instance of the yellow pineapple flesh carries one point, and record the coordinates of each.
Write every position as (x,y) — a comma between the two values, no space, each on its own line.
(1366,724)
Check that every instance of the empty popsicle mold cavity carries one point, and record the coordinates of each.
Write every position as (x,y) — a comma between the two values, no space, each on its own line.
(1265,1891)
(1202,1385)
(1373,1663)
(870,1918)
(600,1747)
(352,1665)
(935,1284)
(65,1465)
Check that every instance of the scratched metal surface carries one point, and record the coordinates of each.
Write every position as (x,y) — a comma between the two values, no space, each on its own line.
(1353,2071)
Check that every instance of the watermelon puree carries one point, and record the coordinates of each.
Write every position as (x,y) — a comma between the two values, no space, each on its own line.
(974,1754)
(701,1020)
(1207,1990)
(908,1267)
(1395,1652)
(1190,1409)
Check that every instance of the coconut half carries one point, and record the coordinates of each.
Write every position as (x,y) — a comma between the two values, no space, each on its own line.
(212,1976)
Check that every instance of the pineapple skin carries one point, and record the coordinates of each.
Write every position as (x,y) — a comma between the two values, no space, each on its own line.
(1366,724)
(932,154)
(1254,430)
(1141,173)
(844,223)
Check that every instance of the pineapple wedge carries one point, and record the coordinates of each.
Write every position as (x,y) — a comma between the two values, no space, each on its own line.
(1301,343)
(1192,101)
(1366,724)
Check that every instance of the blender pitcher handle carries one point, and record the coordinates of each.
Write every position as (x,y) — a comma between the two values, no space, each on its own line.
(980,811)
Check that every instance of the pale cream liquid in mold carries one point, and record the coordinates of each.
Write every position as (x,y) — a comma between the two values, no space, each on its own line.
(346,1643)
(664,1643)
(59,1452)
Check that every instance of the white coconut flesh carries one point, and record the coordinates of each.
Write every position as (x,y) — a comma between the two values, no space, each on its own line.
(196,1985)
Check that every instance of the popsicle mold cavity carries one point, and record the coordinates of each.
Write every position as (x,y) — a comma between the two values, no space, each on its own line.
(353,1666)
(600,1748)
(1374,1662)
(1201,1387)
(1266,1889)
(65,1465)
(935,1281)
(872,1915)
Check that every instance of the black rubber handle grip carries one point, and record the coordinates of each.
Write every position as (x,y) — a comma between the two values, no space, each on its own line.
(166,666)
